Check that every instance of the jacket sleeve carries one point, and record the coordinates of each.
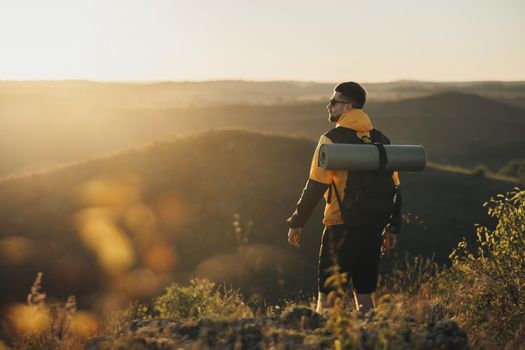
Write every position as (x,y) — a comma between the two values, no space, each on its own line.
(394,225)
(395,220)
(318,182)
(312,193)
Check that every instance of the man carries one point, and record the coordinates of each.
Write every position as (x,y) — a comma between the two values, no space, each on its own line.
(355,251)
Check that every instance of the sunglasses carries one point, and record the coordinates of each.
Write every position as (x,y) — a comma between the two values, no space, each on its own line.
(333,102)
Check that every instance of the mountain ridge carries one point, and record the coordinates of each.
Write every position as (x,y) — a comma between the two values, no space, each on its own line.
(478,130)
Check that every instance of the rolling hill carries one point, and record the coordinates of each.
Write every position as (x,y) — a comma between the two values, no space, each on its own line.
(44,124)
(456,128)
(211,204)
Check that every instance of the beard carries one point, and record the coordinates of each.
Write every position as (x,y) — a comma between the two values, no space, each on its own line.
(333,118)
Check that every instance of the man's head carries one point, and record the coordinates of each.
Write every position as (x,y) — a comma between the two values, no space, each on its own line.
(347,96)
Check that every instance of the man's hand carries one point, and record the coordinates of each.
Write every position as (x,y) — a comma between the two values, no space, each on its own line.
(294,236)
(389,241)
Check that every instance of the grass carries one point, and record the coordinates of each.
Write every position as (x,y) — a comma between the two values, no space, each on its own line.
(477,302)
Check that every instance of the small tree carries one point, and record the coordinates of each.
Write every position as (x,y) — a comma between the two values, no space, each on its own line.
(492,274)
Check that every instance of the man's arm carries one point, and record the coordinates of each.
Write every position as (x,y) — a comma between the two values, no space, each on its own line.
(317,184)
(313,191)
(394,225)
(395,221)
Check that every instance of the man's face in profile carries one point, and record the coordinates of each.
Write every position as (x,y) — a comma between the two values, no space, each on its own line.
(337,105)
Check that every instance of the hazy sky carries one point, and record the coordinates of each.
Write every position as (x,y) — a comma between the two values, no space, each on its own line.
(445,40)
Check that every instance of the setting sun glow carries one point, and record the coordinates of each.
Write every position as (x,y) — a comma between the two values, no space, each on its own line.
(293,40)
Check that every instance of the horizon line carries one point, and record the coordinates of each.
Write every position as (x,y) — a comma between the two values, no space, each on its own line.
(146,82)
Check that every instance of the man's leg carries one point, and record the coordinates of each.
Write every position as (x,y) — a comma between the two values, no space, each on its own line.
(328,257)
(324,264)
(364,275)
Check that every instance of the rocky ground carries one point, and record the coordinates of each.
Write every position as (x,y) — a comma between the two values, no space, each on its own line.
(298,328)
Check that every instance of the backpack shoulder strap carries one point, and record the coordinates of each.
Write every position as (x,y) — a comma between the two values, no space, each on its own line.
(382,156)
(343,135)
(339,200)
(379,140)
(379,137)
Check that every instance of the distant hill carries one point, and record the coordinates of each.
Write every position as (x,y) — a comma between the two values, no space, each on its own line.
(100,229)
(79,120)
(456,128)
(232,92)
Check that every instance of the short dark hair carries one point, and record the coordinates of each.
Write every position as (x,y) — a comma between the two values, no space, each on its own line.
(353,92)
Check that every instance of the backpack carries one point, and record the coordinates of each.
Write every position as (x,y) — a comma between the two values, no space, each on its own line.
(369,196)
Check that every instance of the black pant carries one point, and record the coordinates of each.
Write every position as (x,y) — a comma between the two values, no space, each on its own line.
(356,251)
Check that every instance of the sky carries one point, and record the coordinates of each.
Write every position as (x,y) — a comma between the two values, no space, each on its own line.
(179,40)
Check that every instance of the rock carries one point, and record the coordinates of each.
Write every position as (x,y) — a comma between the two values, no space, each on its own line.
(301,317)
(297,328)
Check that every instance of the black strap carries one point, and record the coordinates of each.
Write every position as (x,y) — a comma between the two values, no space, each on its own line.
(339,201)
(382,156)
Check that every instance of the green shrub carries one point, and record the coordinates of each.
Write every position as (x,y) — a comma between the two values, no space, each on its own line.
(486,286)
(201,299)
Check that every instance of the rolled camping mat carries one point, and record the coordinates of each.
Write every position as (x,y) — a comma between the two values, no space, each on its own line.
(341,156)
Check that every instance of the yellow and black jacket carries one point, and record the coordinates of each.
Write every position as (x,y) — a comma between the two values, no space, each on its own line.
(319,181)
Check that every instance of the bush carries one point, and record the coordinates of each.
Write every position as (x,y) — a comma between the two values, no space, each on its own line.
(201,300)
(488,280)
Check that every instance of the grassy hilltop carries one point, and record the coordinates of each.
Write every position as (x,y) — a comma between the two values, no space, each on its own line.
(213,205)
(418,306)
